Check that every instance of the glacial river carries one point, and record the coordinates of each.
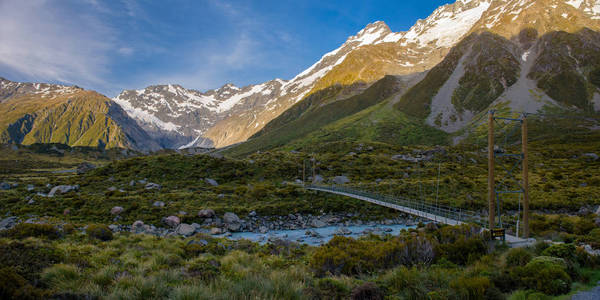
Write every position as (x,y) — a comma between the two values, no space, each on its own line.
(323,234)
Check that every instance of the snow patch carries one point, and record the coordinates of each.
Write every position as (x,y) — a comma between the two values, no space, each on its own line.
(575,3)
(144,116)
(447,28)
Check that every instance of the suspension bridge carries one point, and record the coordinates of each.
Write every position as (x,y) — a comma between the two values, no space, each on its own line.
(430,211)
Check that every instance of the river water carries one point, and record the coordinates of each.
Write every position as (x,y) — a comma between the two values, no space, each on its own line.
(323,234)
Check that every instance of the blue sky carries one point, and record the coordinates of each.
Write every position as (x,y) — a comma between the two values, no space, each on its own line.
(201,44)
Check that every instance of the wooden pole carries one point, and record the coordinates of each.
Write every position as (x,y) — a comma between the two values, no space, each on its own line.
(303,172)
(491,189)
(525,179)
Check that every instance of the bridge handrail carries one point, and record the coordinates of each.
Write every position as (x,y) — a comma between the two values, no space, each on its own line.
(443,211)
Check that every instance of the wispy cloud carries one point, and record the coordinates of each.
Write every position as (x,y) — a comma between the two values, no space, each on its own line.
(44,41)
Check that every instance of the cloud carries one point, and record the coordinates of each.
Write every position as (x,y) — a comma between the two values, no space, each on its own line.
(45,41)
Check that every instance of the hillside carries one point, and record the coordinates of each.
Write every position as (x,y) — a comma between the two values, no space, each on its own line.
(34,113)
(317,111)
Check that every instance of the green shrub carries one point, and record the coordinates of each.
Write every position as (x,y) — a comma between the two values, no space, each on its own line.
(205,269)
(14,286)
(518,257)
(329,288)
(547,275)
(366,291)
(464,250)
(566,251)
(28,260)
(25,230)
(99,231)
(471,288)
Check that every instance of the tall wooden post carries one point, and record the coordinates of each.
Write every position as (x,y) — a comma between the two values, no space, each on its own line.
(491,188)
(303,172)
(525,179)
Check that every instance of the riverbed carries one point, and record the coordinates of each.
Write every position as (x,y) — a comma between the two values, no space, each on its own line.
(318,236)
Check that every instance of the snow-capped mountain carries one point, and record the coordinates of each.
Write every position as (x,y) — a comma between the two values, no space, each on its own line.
(228,115)
(11,89)
(178,117)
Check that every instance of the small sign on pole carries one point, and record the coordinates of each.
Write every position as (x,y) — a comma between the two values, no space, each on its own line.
(499,233)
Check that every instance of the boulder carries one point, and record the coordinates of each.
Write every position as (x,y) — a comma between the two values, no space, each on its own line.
(158,204)
(211,181)
(112,189)
(152,186)
(31,201)
(234,226)
(342,231)
(185,229)
(230,218)
(317,223)
(318,179)
(132,183)
(61,189)
(30,187)
(206,213)
(263,229)
(591,156)
(4,186)
(8,223)
(252,214)
(85,167)
(215,231)
(340,180)
(139,227)
(116,210)
(172,221)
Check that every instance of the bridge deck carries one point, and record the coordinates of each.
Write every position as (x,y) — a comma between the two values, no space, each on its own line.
(513,240)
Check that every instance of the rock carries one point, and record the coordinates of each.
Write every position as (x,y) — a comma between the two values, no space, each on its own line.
(583,211)
(116,210)
(85,167)
(216,155)
(185,229)
(132,183)
(298,181)
(152,186)
(112,189)
(342,231)
(234,226)
(31,201)
(30,187)
(592,156)
(4,186)
(113,227)
(66,212)
(318,179)
(598,210)
(211,181)
(196,226)
(340,180)
(317,223)
(215,231)
(139,227)
(62,189)
(263,229)
(230,217)
(158,204)
(388,230)
(8,223)
(206,213)
(172,221)
(252,214)
(200,242)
